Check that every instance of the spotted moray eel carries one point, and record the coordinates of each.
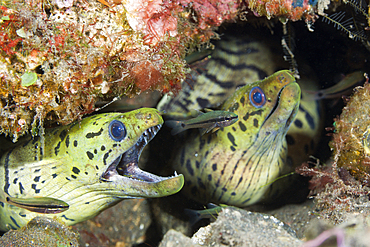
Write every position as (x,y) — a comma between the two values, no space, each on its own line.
(236,164)
(88,165)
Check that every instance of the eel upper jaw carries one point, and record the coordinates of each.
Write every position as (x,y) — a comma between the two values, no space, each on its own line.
(125,166)
(292,114)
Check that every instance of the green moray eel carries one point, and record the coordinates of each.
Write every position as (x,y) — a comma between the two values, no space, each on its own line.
(237,164)
(81,169)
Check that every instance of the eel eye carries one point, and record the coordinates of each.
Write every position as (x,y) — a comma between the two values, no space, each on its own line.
(257,97)
(117,130)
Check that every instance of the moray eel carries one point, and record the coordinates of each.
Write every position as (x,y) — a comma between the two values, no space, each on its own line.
(81,169)
(237,164)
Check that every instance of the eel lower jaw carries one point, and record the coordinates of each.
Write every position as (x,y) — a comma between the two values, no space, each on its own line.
(291,117)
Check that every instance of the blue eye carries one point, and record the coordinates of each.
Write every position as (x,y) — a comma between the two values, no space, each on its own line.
(117,130)
(257,97)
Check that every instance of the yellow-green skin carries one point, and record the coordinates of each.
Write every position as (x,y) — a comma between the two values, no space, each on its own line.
(69,167)
(236,164)
(239,59)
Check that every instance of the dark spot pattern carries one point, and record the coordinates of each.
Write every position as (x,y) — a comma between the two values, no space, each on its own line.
(65,217)
(189,168)
(209,139)
(6,169)
(75,143)
(90,155)
(63,134)
(67,141)
(308,117)
(106,156)
(242,100)
(33,186)
(94,134)
(231,138)
(37,179)
(242,126)
(201,143)
(14,221)
(298,123)
(56,149)
(255,123)
(247,115)
(21,189)
(102,148)
(234,107)
(214,167)
(54,175)
(75,170)
(203,103)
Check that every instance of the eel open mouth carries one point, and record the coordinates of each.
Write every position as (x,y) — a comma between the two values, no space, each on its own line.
(126,165)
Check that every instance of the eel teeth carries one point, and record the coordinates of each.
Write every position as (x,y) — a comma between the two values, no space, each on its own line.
(126,163)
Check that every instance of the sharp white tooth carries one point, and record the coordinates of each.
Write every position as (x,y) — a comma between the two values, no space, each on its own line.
(175,174)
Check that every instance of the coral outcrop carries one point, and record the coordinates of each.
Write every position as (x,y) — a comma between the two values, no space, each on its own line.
(59,57)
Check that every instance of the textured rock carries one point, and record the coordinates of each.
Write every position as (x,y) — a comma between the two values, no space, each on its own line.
(237,227)
(174,238)
(41,232)
(122,225)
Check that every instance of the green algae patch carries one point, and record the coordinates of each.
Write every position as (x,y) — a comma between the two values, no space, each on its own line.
(28,79)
